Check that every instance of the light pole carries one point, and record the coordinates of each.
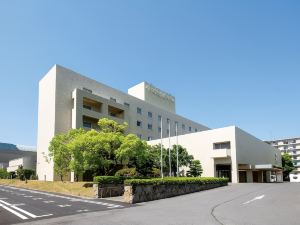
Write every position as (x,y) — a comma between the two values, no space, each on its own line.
(170,173)
(161,149)
(177,161)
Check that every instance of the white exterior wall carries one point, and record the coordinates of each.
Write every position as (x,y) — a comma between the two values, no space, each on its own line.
(46,124)
(244,149)
(26,162)
(200,145)
(61,109)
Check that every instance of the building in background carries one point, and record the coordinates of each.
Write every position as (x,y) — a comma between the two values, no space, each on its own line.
(69,100)
(292,147)
(233,153)
(27,162)
(10,152)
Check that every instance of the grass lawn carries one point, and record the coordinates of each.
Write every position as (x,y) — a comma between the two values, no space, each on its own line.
(68,188)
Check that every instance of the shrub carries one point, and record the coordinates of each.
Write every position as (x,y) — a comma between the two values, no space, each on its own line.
(127,172)
(3,174)
(109,180)
(175,180)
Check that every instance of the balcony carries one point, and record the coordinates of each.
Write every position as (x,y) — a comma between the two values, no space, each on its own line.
(92,105)
(221,153)
(115,112)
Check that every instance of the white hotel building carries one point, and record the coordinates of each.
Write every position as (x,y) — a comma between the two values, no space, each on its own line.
(68,100)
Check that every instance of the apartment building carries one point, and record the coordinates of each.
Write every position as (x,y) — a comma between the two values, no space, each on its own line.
(68,100)
(231,152)
(292,147)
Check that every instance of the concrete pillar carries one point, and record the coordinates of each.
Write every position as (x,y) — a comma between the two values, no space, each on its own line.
(249,176)
(72,176)
(234,173)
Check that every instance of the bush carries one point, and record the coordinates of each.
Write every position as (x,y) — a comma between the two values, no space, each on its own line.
(109,180)
(175,180)
(127,172)
(4,174)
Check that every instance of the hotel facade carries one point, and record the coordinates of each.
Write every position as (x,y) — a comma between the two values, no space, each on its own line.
(68,100)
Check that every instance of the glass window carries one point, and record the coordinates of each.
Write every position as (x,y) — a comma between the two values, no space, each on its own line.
(113,99)
(150,114)
(183,127)
(139,123)
(87,124)
(190,128)
(222,145)
(139,110)
(159,118)
(126,104)
(159,129)
(149,126)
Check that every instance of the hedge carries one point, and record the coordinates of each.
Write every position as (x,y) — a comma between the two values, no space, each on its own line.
(109,180)
(175,180)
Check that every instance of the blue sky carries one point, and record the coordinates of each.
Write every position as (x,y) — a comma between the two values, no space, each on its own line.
(227,62)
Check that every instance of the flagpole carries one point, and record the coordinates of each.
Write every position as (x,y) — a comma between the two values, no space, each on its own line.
(177,150)
(161,148)
(170,173)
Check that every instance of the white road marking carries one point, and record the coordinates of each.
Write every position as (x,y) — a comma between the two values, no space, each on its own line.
(23,211)
(3,198)
(14,212)
(37,198)
(82,210)
(254,199)
(28,196)
(63,206)
(65,197)
(48,202)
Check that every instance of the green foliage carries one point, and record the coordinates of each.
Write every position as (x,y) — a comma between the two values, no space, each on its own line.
(61,153)
(176,180)
(184,159)
(287,165)
(195,169)
(109,180)
(4,174)
(127,172)
(111,126)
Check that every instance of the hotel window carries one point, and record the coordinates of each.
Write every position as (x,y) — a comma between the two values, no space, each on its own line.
(87,107)
(139,123)
(196,130)
(149,126)
(149,114)
(87,125)
(139,110)
(126,104)
(149,138)
(222,145)
(190,129)
(159,118)
(168,131)
(183,127)
(168,121)
(159,130)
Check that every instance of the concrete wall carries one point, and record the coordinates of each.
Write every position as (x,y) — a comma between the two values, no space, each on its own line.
(200,145)
(254,151)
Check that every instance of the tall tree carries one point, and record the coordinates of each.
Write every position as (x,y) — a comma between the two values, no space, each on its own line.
(287,165)
(195,169)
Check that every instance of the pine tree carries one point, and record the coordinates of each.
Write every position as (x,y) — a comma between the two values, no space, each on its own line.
(195,169)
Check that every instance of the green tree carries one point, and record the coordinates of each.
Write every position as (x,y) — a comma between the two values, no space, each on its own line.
(4,174)
(20,173)
(195,169)
(111,126)
(287,165)
(184,159)
(135,152)
(60,152)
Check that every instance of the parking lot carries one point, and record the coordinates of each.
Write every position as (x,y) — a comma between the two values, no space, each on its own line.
(22,205)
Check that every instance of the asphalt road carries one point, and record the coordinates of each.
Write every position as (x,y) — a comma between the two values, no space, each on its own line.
(239,204)
(22,205)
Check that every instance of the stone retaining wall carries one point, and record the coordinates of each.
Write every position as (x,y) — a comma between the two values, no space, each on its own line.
(144,193)
(108,190)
